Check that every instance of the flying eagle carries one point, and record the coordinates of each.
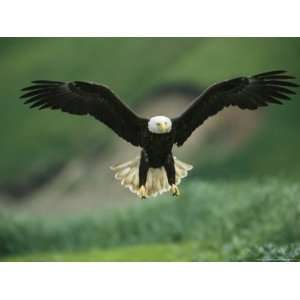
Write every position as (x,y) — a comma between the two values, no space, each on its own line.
(156,170)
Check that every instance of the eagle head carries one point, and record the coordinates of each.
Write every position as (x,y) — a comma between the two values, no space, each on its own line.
(160,125)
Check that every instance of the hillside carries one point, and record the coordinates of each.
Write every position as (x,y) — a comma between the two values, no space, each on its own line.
(33,144)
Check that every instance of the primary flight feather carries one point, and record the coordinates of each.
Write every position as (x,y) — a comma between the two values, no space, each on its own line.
(156,170)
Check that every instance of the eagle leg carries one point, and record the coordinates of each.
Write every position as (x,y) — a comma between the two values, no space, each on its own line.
(142,192)
(171,174)
(143,171)
(175,190)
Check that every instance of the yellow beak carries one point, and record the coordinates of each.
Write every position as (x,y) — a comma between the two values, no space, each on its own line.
(162,127)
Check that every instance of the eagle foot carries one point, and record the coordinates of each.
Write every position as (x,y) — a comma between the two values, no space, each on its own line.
(142,192)
(175,190)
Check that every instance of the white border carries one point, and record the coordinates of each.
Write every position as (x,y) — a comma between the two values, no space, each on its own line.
(149,281)
(149,18)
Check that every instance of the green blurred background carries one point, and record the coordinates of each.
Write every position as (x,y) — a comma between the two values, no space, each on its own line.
(58,199)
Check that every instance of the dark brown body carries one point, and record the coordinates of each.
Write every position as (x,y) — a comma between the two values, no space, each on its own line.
(157,153)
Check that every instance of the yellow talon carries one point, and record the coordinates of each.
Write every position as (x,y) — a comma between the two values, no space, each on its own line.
(175,190)
(142,192)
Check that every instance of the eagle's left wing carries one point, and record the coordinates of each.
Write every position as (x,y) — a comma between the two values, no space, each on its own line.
(81,98)
(244,92)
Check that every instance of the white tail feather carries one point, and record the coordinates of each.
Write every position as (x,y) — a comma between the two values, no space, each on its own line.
(157,181)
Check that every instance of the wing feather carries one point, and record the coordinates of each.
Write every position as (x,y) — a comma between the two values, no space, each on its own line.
(244,92)
(81,98)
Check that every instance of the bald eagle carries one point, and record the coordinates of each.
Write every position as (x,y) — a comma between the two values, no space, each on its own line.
(156,170)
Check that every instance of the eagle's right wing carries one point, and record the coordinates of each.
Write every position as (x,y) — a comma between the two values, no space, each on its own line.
(82,98)
(243,92)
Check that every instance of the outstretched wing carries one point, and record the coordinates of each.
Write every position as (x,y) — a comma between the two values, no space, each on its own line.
(244,92)
(83,98)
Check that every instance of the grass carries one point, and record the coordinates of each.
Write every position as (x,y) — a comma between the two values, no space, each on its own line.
(146,253)
(212,221)
(171,252)
(271,252)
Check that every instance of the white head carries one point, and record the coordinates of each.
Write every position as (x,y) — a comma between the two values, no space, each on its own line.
(159,125)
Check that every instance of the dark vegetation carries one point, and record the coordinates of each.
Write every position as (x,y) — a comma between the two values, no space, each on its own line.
(235,221)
